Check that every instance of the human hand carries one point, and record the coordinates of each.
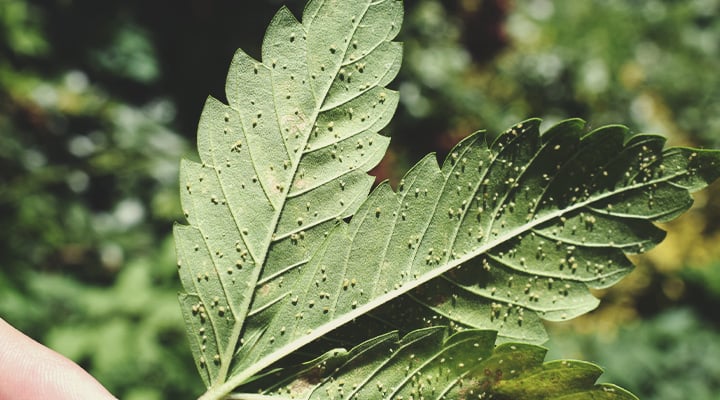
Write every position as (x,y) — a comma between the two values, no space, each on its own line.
(29,371)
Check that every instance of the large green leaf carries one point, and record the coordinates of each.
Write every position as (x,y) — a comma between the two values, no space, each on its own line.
(426,364)
(528,222)
(504,233)
(281,164)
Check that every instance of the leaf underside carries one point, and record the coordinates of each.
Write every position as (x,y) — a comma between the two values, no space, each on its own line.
(284,245)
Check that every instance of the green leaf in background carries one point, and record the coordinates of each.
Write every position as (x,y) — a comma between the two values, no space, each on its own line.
(505,233)
(428,364)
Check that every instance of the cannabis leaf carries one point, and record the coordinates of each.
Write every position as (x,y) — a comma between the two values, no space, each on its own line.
(281,164)
(428,364)
(285,245)
(528,220)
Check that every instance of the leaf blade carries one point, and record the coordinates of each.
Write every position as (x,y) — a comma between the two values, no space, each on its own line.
(427,244)
(431,364)
(257,200)
(270,265)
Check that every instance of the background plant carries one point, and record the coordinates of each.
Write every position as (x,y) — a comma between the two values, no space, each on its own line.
(60,248)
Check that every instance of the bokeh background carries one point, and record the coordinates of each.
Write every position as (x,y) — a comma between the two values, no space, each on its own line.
(100,99)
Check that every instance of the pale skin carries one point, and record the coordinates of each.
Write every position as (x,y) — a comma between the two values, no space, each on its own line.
(29,371)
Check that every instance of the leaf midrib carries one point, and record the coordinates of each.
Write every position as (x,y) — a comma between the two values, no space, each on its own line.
(308,132)
(244,307)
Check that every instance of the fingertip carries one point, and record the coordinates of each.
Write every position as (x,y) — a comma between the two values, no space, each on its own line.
(33,371)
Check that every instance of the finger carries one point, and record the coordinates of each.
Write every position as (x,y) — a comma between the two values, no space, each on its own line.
(29,370)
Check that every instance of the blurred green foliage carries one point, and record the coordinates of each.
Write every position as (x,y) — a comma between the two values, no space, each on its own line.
(672,356)
(99,100)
